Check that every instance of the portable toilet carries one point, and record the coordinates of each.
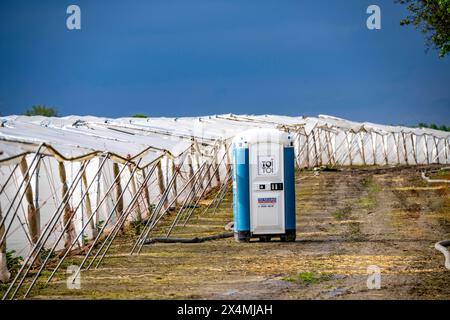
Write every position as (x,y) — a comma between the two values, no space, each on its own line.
(263,185)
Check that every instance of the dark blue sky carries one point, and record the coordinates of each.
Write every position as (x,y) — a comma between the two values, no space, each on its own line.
(179,58)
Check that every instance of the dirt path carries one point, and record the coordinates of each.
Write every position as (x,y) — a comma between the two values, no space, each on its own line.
(347,221)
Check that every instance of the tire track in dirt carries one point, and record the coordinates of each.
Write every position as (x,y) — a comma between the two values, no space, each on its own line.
(397,225)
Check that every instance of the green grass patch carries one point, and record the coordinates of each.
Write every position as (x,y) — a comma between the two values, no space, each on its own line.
(443,174)
(373,189)
(342,213)
(367,202)
(307,277)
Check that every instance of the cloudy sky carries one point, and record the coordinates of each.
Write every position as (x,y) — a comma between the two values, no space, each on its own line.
(199,57)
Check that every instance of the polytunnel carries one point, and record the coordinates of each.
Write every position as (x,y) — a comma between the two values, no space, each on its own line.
(73,182)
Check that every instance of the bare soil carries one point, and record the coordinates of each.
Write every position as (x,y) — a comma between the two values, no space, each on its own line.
(346,221)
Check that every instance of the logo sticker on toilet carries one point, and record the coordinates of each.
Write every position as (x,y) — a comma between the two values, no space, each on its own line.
(266,166)
(266,202)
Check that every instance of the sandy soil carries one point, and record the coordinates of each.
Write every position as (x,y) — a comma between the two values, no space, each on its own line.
(347,221)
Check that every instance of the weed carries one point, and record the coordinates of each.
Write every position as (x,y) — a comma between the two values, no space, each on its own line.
(13,262)
(137,226)
(99,225)
(84,239)
(44,253)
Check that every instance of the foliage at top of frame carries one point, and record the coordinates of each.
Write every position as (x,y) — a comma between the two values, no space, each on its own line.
(431,17)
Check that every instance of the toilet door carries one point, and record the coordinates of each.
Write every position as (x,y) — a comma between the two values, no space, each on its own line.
(266,188)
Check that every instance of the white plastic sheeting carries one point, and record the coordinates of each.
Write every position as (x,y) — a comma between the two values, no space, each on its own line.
(74,138)
(81,138)
(178,144)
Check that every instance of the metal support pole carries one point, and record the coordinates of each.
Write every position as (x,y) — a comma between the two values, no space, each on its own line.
(66,226)
(162,188)
(146,195)
(89,219)
(45,234)
(174,186)
(88,204)
(319,134)
(37,155)
(118,190)
(32,209)
(27,178)
(105,224)
(223,194)
(73,186)
(149,223)
(9,178)
(115,231)
(4,272)
(163,202)
(218,195)
(202,194)
(202,190)
(192,191)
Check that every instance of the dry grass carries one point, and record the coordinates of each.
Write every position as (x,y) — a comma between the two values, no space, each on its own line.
(346,221)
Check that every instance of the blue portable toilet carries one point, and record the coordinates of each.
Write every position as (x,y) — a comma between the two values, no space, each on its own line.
(264,185)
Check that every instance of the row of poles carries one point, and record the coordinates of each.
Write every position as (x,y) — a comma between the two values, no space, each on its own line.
(325,145)
(321,147)
(189,195)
